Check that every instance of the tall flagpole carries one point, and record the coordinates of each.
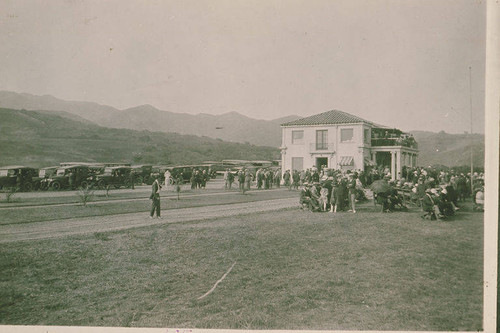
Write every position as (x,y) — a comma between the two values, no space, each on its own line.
(471,137)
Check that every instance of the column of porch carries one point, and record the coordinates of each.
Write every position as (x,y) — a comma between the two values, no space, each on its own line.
(393,165)
(398,165)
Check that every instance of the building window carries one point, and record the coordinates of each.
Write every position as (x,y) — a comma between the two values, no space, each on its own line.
(298,163)
(346,134)
(322,139)
(367,135)
(297,137)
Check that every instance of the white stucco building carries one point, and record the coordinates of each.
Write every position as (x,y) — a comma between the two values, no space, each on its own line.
(339,140)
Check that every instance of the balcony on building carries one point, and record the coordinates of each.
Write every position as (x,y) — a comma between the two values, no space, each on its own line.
(383,137)
(321,147)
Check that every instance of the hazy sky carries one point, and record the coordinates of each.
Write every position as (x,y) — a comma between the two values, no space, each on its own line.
(399,63)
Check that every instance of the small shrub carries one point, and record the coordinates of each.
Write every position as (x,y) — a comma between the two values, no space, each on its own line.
(102,236)
(85,195)
(9,195)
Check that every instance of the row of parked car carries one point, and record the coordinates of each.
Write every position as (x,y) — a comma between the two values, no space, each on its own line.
(72,175)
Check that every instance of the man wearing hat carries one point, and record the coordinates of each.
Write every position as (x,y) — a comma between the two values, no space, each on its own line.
(155,197)
(429,206)
(445,205)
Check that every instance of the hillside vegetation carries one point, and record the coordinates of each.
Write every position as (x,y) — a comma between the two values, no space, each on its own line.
(40,139)
(449,149)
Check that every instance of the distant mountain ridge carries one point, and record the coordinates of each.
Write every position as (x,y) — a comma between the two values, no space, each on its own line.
(230,126)
(435,148)
(91,111)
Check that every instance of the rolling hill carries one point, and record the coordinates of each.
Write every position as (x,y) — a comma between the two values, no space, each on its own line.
(449,149)
(40,139)
(230,126)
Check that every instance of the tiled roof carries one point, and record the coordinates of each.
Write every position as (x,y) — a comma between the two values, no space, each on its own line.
(326,118)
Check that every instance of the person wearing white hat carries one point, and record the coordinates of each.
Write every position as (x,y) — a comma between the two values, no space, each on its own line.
(429,205)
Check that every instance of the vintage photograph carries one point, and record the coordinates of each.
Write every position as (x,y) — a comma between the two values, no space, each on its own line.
(243,165)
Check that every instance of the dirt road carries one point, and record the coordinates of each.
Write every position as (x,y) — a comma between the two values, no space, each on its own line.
(66,227)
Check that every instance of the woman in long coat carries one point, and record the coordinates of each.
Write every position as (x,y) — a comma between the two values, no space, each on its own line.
(341,194)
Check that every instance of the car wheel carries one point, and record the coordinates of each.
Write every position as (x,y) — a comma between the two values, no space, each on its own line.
(56,186)
(84,185)
(28,187)
(101,184)
(139,180)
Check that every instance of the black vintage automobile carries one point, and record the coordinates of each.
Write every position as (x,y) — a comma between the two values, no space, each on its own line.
(41,182)
(73,176)
(17,176)
(115,176)
(142,174)
(95,169)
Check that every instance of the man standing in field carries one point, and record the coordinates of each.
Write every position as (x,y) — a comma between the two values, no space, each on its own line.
(241,181)
(155,197)
(277,178)
(230,179)
(248,179)
(286,178)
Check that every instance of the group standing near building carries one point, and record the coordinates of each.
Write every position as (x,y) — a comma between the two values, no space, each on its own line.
(436,192)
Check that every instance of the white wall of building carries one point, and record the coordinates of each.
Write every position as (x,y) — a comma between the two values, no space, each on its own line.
(336,149)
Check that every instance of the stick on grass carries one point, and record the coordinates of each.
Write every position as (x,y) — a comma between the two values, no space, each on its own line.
(216,283)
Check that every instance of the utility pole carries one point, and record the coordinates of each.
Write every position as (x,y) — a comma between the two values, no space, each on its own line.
(471,137)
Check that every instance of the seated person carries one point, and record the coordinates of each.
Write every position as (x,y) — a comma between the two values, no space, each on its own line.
(445,205)
(382,199)
(305,199)
(315,196)
(396,201)
(430,205)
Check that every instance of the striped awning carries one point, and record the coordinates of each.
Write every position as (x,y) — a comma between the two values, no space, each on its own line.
(346,160)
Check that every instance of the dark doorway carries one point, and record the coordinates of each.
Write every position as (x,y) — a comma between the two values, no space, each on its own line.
(384,159)
(320,161)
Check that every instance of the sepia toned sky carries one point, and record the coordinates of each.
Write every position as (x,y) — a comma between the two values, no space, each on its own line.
(403,64)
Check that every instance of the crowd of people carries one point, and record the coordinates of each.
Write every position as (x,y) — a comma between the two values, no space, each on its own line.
(328,190)
(437,192)
(199,179)
(264,178)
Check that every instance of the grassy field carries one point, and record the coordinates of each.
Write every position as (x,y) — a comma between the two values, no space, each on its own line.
(294,270)
(113,205)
